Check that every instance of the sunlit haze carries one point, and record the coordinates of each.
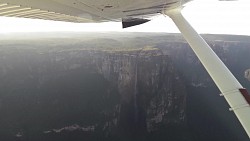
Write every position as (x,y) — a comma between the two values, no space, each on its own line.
(206,16)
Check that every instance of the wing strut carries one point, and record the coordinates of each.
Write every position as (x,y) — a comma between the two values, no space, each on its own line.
(236,96)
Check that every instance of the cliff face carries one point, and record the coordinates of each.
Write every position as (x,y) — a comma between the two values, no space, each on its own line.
(88,94)
(150,89)
(116,89)
(207,113)
(235,54)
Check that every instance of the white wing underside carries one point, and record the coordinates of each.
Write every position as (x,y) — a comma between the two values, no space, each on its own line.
(86,11)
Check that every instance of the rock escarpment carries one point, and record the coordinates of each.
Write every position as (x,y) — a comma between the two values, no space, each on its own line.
(115,87)
(88,94)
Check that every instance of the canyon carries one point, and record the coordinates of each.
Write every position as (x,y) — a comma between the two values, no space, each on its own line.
(130,86)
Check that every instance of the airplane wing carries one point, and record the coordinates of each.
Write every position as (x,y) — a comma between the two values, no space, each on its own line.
(86,11)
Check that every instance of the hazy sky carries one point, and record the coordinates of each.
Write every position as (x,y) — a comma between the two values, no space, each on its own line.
(206,16)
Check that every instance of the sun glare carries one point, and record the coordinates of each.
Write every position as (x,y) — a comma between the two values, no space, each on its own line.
(227,17)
